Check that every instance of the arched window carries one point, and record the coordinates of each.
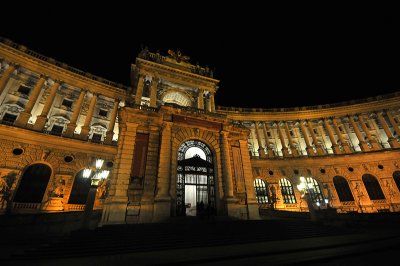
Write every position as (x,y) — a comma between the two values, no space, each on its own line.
(342,188)
(261,191)
(314,190)
(287,191)
(80,189)
(33,183)
(373,188)
(396,177)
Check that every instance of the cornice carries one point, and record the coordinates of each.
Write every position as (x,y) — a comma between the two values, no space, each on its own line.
(173,74)
(317,113)
(49,67)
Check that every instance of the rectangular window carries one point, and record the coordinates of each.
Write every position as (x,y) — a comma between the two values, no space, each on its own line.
(9,118)
(24,90)
(57,130)
(67,103)
(269,134)
(96,138)
(103,112)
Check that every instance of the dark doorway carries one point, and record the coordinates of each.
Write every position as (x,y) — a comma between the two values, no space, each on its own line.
(33,184)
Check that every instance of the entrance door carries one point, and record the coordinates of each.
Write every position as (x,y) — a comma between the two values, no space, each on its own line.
(195,195)
(190,200)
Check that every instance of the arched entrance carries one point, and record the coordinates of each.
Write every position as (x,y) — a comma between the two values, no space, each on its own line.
(195,189)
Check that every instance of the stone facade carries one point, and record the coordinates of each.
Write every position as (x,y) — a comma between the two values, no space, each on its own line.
(56,120)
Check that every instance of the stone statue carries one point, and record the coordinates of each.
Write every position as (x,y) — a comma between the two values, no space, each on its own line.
(102,188)
(57,189)
(178,56)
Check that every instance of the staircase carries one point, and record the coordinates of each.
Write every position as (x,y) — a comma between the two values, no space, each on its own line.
(185,233)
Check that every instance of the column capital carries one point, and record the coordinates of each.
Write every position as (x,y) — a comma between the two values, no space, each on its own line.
(224,133)
(43,76)
(59,81)
(141,75)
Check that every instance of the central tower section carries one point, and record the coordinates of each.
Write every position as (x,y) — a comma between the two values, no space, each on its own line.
(159,80)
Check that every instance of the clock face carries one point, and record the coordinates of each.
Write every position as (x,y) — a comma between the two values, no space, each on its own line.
(177,98)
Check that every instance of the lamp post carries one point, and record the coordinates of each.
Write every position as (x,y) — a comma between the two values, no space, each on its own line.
(95,179)
(304,188)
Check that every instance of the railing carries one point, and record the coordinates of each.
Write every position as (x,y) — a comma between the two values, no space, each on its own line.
(62,65)
(348,203)
(26,205)
(75,207)
(160,59)
(309,108)
(382,201)
(141,107)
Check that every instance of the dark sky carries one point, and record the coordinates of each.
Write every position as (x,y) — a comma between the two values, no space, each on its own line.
(264,58)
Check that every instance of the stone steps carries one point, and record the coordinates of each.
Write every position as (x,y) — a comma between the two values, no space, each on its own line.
(120,239)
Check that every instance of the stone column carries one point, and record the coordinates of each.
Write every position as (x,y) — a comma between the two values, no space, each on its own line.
(6,76)
(309,149)
(252,204)
(320,151)
(208,103)
(150,183)
(115,206)
(162,206)
(200,100)
(42,118)
(373,142)
(212,102)
(346,147)
(393,122)
(110,131)
(226,165)
(269,150)
(72,123)
(86,126)
(392,141)
(261,151)
(335,146)
(26,114)
(363,145)
(153,92)
(139,89)
(285,150)
(295,152)
(230,201)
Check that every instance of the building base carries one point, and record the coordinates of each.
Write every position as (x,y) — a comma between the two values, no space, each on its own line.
(114,211)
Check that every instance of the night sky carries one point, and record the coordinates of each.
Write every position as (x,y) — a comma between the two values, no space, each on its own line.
(264,58)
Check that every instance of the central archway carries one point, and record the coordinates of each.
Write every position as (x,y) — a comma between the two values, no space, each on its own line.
(195,190)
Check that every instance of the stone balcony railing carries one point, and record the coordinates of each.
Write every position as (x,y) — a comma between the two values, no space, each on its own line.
(306,108)
(62,65)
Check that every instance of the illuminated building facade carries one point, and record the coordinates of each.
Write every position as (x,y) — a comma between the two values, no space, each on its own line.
(172,152)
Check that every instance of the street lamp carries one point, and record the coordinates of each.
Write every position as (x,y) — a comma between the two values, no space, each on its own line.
(95,179)
(304,187)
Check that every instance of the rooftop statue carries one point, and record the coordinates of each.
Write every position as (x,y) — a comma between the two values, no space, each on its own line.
(178,56)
